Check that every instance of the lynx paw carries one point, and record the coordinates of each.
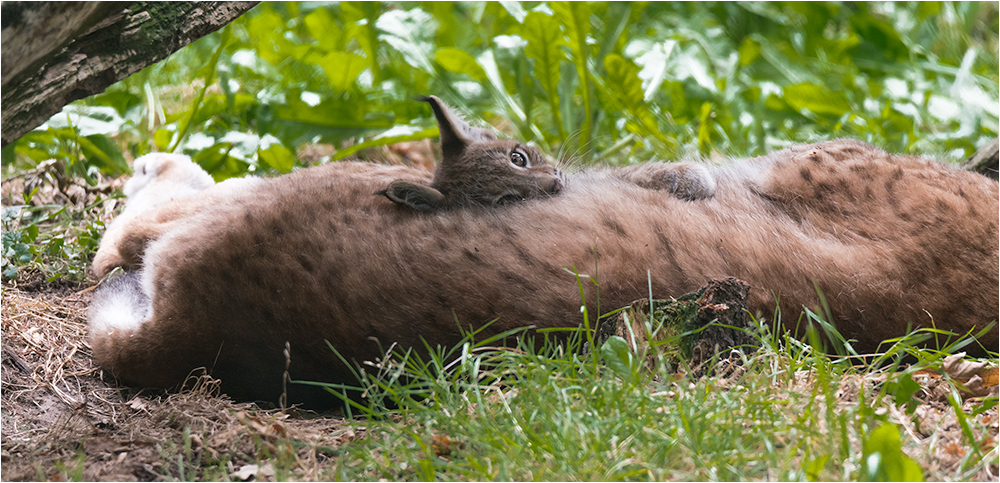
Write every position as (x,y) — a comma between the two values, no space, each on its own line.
(692,182)
(686,181)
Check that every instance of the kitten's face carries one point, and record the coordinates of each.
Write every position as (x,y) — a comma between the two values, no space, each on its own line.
(476,168)
(497,172)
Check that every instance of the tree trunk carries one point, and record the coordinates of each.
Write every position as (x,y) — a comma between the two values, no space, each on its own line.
(57,52)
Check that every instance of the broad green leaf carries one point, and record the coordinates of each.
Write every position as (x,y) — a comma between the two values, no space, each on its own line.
(790,68)
(162,139)
(31,144)
(353,12)
(269,41)
(619,357)
(623,85)
(879,36)
(776,103)
(409,32)
(575,20)
(544,46)
(322,27)
(302,122)
(217,161)
(459,62)
(816,98)
(361,18)
(903,388)
(277,157)
(342,69)
(815,467)
(106,149)
(883,459)
(749,51)
(623,82)
(121,101)
(29,234)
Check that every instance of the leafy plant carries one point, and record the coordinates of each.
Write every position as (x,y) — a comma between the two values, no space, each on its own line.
(16,250)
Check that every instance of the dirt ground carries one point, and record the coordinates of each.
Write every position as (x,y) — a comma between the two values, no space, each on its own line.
(63,419)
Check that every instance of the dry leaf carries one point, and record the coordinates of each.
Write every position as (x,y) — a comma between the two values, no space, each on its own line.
(441,445)
(978,377)
(991,377)
(245,472)
(138,404)
(257,472)
(958,368)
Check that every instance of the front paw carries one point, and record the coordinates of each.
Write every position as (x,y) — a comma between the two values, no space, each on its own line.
(693,182)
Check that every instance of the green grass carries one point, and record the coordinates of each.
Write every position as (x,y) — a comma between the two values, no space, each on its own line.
(789,412)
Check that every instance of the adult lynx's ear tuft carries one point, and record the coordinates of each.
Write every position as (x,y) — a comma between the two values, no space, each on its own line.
(455,133)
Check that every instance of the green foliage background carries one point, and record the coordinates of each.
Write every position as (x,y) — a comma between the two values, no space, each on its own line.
(616,82)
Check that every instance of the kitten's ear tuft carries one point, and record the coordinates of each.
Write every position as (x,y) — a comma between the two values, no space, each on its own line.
(455,133)
(416,196)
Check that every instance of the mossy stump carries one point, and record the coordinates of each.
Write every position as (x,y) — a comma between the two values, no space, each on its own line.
(690,330)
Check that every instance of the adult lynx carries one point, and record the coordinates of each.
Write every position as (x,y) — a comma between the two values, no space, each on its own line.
(891,241)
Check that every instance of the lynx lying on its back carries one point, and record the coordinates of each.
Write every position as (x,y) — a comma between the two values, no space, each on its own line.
(893,242)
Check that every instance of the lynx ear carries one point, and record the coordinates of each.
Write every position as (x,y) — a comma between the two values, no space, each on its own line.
(416,196)
(455,133)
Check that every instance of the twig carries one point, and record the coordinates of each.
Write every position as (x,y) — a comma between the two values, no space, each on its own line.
(17,361)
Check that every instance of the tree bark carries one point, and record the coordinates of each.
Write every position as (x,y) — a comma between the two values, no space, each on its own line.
(57,52)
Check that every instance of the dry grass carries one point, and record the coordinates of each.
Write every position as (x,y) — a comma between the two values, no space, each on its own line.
(61,418)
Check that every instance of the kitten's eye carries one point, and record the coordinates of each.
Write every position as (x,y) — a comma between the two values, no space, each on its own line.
(519,159)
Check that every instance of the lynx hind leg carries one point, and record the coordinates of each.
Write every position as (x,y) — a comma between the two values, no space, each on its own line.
(686,181)
(124,243)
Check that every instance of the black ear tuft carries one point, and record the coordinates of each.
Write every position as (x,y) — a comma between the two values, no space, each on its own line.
(416,196)
(455,133)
